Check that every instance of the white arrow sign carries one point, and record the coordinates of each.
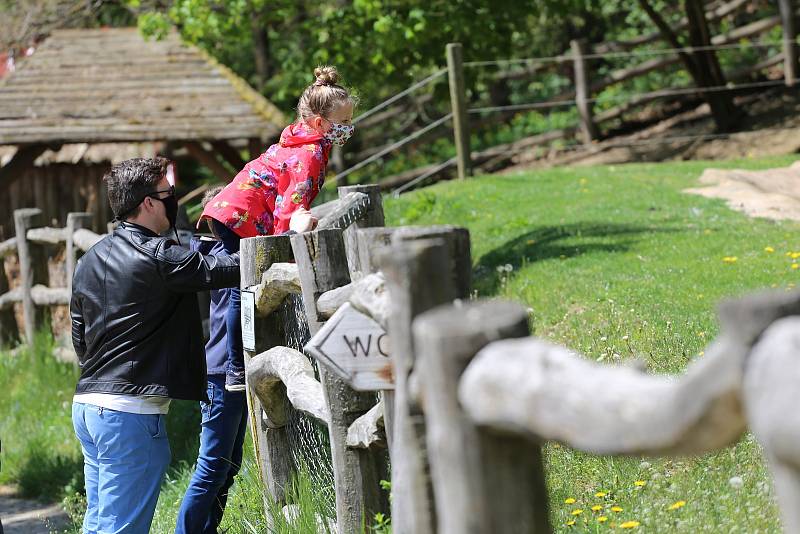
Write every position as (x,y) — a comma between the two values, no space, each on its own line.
(356,348)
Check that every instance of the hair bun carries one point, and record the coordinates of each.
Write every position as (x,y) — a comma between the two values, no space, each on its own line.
(326,75)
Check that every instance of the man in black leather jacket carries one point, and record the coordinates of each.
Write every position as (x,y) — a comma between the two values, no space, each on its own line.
(137,331)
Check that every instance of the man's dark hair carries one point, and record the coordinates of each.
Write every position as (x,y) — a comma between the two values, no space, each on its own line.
(130,181)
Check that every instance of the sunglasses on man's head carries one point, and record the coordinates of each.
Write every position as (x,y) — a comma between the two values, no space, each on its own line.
(171,191)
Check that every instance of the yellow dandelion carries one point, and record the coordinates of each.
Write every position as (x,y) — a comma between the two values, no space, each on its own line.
(769,250)
(602,519)
(795,255)
(616,508)
(730,259)
(707,231)
(639,483)
(596,508)
(576,512)
(795,266)
(676,505)
(600,494)
(629,524)
(571,522)
(569,500)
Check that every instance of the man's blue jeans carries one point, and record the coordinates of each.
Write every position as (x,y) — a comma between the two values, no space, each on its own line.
(224,420)
(125,458)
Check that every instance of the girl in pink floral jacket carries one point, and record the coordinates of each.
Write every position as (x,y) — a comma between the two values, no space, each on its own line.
(279,186)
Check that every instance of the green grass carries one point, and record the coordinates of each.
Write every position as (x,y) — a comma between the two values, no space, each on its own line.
(616,262)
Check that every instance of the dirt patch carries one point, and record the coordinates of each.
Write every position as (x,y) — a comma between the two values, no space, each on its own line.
(24,516)
(772,193)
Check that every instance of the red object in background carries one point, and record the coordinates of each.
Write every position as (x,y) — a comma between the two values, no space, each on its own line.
(7,59)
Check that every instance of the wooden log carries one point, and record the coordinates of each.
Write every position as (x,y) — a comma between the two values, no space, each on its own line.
(8,247)
(458,103)
(50,296)
(369,296)
(47,235)
(332,300)
(404,265)
(321,258)
(9,298)
(279,280)
(282,375)
(84,239)
(271,445)
(32,267)
(789,22)
(773,410)
(373,217)
(368,430)
(582,92)
(75,222)
(480,478)
(348,210)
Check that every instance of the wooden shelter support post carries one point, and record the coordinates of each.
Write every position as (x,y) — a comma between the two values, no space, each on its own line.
(322,264)
(582,91)
(458,102)
(789,22)
(270,438)
(483,482)
(32,268)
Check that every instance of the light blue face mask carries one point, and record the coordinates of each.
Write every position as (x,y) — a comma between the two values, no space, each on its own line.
(339,133)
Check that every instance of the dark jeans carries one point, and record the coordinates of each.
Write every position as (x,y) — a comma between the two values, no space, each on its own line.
(221,439)
(233,317)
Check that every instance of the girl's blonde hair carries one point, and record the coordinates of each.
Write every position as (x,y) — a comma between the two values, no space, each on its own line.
(324,95)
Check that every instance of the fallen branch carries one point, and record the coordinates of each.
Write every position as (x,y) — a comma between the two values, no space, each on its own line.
(368,430)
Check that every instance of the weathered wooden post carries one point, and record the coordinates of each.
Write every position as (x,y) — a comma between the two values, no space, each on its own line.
(788,20)
(32,268)
(421,273)
(9,331)
(270,438)
(483,482)
(458,102)
(75,221)
(374,217)
(582,93)
(322,265)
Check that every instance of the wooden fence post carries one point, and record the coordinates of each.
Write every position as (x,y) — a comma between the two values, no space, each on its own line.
(32,268)
(582,92)
(9,331)
(322,265)
(374,217)
(788,20)
(271,441)
(75,221)
(458,102)
(403,264)
(483,482)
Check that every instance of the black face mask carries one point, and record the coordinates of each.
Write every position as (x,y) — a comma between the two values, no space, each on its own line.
(170,207)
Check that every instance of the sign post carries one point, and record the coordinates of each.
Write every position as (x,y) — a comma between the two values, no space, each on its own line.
(355,347)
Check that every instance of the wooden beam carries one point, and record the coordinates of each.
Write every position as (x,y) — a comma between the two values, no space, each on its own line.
(209,161)
(229,154)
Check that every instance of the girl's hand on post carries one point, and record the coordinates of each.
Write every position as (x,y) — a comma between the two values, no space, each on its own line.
(302,221)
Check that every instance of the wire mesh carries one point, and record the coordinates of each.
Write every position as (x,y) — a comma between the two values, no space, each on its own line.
(308,438)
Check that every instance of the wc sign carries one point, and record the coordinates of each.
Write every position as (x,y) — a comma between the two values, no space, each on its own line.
(356,348)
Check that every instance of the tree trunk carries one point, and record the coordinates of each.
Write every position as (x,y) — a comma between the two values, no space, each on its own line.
(703,65)
(261,54)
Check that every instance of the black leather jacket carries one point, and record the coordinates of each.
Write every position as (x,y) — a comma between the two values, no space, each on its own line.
(135,318)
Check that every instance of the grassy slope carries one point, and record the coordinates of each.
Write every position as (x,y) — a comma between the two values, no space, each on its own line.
(616,262)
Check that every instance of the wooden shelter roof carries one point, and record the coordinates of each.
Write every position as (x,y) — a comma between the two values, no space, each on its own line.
(112,85)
